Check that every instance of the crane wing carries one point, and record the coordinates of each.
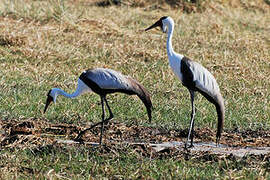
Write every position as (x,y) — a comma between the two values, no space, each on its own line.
(199,77)
(103,81)
(108,78)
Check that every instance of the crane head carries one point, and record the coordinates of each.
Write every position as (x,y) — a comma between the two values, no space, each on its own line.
(159,23)
(49,100)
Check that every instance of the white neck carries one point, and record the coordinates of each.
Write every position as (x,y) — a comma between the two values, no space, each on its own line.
(63,93)
(81,89)
(174,58)
(170,50)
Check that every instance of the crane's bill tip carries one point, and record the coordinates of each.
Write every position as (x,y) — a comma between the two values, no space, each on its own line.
(148,28)
(48,101)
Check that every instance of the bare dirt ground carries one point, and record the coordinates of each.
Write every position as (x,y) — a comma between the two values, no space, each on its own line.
(149,141)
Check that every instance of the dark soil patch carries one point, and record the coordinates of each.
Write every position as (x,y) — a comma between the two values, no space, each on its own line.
(146,141)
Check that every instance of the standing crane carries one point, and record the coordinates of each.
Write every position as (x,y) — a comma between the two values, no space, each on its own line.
(194,77)
(103,81)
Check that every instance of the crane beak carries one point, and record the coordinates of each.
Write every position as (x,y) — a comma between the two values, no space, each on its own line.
(49,100)
(157,24)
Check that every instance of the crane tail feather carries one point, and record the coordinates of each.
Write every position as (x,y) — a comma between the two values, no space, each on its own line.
(218,101)
(145,98)
(221,116)
(143,94)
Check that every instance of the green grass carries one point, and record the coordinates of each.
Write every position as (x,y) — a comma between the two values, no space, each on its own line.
(82,162)
(47,44)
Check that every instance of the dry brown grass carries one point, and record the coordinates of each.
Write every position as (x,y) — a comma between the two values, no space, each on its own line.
(35,133)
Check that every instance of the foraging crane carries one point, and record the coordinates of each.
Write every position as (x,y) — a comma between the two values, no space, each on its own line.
(104,81)
(194,77)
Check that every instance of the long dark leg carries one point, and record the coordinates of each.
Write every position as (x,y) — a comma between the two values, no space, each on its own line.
(191,127)
(192,116)
(103,118)
(78,138)
(111,114)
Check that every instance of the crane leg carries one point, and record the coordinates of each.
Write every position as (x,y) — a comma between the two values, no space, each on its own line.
(111,114)
(78,138)
(102,122)
(191,127)
(103,116)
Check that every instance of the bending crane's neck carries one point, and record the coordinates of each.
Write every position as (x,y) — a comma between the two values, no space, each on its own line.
(63,93)
(170,51)
(81,89)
